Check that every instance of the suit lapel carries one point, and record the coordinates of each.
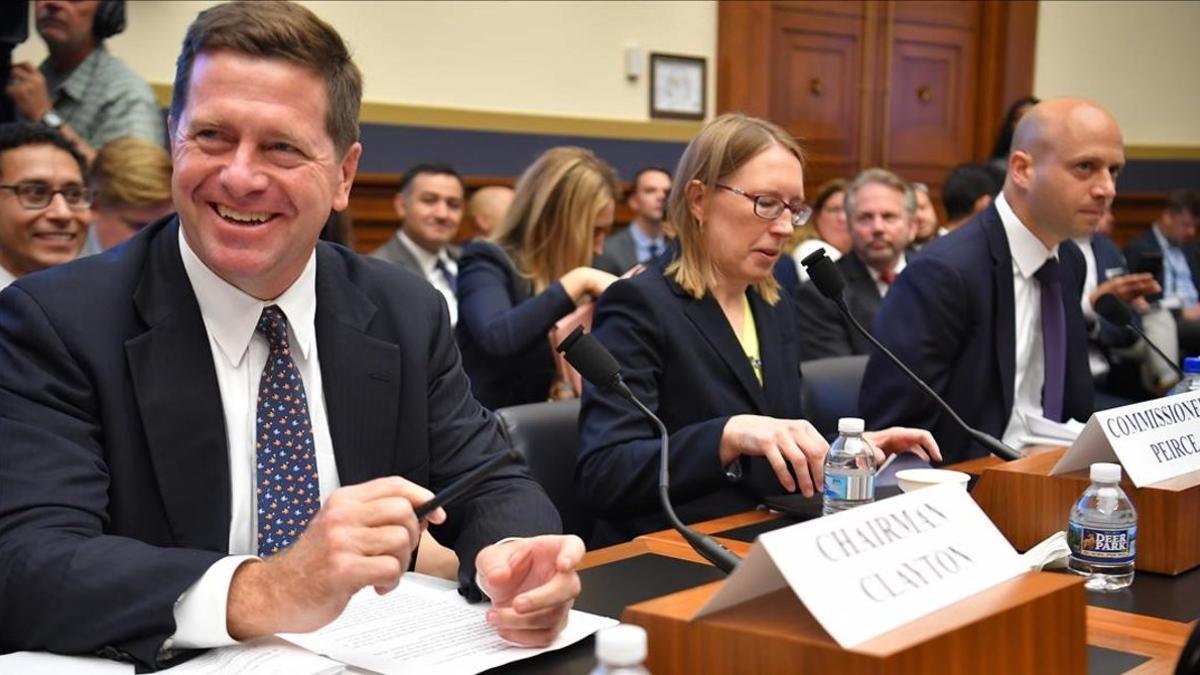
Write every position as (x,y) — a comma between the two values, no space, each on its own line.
(708,318)
(1004,319)
(361,375)
(781,374)
(175,384)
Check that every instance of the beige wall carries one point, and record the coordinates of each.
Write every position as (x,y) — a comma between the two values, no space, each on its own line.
(548,58)
(1138,59)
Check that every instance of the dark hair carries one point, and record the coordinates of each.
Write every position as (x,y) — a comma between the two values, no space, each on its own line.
(641,172)
(964,185)
(1005,136)
(20,134)
(271,29)
(1179,201)
(430,169)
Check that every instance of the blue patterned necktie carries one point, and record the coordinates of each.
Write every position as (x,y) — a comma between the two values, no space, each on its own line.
(450,277)
(286,478)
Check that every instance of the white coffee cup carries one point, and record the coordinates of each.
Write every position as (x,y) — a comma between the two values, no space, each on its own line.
(915,479)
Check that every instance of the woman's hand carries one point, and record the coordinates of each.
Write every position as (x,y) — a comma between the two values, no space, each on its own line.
(583,283)
(783,443)
(902,439)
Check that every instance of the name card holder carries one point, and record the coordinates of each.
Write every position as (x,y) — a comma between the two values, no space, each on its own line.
(1028,504)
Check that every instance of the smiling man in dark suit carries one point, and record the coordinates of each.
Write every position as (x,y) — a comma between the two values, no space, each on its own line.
(880,207)
(221,429)
(989,315)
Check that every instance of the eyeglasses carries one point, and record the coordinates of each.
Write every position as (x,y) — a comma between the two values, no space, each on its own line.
(770,208)
(37,195)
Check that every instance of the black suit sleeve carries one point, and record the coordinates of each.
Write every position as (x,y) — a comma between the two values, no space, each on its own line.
(823,330)
(923,320)
(619,450)
(462,436)
(65,584)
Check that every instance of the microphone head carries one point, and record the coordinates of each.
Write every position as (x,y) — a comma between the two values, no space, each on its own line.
(824,274)
(1112,309)
(585,354)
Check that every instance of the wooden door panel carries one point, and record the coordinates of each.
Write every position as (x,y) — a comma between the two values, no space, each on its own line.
(931,97)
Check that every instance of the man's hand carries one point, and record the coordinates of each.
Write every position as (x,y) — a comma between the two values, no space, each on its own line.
(532,584)
(903,439)
(27,89)
(1127,287)
(364,535)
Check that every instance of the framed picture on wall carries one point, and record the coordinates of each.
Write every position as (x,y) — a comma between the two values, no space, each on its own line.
(677,86)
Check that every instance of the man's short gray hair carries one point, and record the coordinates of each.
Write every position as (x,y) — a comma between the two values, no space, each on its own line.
(887,179)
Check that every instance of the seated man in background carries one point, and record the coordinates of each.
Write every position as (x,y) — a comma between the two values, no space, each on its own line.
(1179,274)
(486,209)
(968,189)
(644,239)
(430,206)
(81,89)
(142,507)
(880,207)
(989,315)
(44,200)
(131,178)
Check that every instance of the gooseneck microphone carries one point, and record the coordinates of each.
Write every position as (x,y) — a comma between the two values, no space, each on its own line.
(585,353)
(828,280)
(1116,312)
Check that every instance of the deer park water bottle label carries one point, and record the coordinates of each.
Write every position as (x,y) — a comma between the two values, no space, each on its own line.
(1102,546)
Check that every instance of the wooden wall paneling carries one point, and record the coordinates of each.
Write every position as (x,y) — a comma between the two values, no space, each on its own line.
(1134,213)
(743,57)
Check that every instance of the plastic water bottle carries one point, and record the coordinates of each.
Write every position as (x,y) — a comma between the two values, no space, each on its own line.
(1191,377)
(849,469)
(1102,532)
(621,650)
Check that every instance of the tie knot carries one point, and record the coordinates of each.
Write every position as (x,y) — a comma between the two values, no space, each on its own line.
(273,325)
(1048,272)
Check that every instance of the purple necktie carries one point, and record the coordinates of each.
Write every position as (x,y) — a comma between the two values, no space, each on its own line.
(1054,340)
(286,477)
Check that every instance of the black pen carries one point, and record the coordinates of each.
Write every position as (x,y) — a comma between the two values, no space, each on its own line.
(459,487)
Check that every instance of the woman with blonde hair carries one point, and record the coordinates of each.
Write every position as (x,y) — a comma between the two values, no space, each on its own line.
(712,346)
(828,228)
(534,271)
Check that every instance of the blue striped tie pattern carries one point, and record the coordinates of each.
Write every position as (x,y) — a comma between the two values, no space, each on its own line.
(286,477)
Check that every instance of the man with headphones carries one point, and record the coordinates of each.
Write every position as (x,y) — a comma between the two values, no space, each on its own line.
(82,90)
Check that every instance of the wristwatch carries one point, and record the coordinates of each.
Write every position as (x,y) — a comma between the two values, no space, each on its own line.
(52,120)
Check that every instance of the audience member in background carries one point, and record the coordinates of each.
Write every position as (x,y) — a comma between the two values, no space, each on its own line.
(131,180)
(44,200)
(1004,137)
(989,314)
(535,271)
(827,228)
(81,89)
(710,344)
(880,206)
(1179,274)
(1106,273)
(129,521)
(486,209)
(430,207)
(969,189)
(925,223)
(644,239)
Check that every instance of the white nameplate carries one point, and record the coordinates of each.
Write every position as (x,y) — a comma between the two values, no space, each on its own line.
(1154,440)
(866,571)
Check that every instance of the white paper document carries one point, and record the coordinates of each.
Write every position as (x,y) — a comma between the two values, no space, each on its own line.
(1041,431)
(874,568)
(425,627)
(271,656)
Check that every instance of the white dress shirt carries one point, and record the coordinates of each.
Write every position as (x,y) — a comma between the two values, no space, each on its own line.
(428,262)
(882,285)
(1028,254)
(1096,361)
(6,277)
(239,353)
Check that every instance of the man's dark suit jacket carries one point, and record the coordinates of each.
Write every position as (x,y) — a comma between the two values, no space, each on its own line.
(826,332)
(951,318)
(114,470)
(394,251)
(1148,243)
(620,253)
(1109,257)
(682,359)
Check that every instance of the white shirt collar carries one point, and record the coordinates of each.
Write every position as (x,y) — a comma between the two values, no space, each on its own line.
(6,277)
(428,261)
(901,263)
(1028,252)
(231,314)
